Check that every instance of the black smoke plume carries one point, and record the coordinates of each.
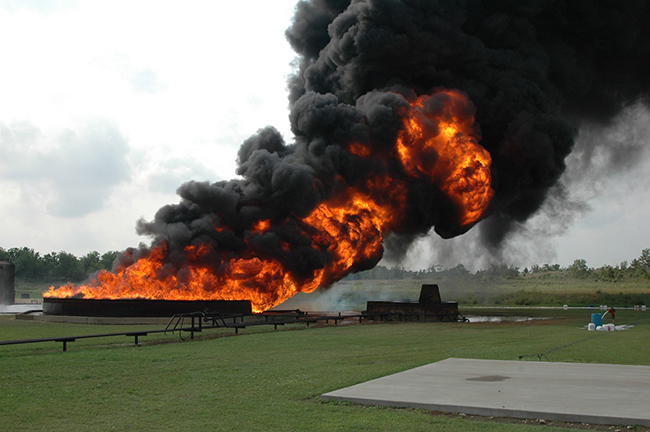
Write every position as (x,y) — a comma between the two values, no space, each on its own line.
(534,70)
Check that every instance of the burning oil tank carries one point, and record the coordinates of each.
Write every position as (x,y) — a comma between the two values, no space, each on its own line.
(140,307)
(7,276)
(429,307)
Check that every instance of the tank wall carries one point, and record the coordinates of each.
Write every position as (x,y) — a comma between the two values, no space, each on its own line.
(140,307)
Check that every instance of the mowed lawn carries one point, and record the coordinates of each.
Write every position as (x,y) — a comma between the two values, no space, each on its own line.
(265,380)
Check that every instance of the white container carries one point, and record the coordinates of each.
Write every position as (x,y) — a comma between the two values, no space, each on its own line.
(591,327)
(643,308)
(566,307)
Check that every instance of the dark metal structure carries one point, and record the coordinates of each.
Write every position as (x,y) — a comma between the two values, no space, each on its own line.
(428,308)
(7,277)
(197,322)
(196,316)
(140,307)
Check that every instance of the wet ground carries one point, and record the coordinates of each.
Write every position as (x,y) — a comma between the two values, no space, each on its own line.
(19,308)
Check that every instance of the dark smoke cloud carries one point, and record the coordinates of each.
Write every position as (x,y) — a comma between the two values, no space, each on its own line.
(535,71)
(609,162)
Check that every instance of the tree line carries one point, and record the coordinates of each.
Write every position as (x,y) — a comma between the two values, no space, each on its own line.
(64,266)
(635,269)
(56,266)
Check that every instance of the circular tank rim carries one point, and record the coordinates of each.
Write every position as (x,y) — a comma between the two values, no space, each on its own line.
(140,307)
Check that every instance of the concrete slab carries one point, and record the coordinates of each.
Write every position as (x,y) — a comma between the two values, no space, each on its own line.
(572,392)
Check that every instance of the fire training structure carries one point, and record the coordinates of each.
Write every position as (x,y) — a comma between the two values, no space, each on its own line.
(428,308)
(140,307)
(268,250)
(236,314)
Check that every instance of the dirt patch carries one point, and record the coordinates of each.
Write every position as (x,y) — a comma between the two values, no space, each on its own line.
(541,422)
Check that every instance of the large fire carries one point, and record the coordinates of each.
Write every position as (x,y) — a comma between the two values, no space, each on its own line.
(445,148)
(437,145)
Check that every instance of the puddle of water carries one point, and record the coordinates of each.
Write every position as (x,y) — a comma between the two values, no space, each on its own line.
(498,319)
(17,308)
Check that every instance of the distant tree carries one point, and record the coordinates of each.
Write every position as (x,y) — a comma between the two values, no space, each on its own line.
(91,262)
(510,272)
(29,264)
(62,265)
(69,267)
(579,269)
(550,267)
(501,271)
(640,267)
(458,271)
(606,273)
(644,258)
(108,259)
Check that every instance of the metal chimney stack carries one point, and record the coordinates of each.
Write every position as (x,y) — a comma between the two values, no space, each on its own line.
(7,276)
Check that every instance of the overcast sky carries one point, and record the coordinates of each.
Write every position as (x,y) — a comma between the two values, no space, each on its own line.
(106,107)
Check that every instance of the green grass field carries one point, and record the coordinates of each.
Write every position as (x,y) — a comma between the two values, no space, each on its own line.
(265,380)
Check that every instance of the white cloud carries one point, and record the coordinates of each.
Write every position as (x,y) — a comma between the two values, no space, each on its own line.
(171,173)
(184,84)
(73,171)
(39,6)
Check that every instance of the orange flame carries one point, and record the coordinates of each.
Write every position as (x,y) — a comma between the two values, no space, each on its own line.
(348,228)
(445,148)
